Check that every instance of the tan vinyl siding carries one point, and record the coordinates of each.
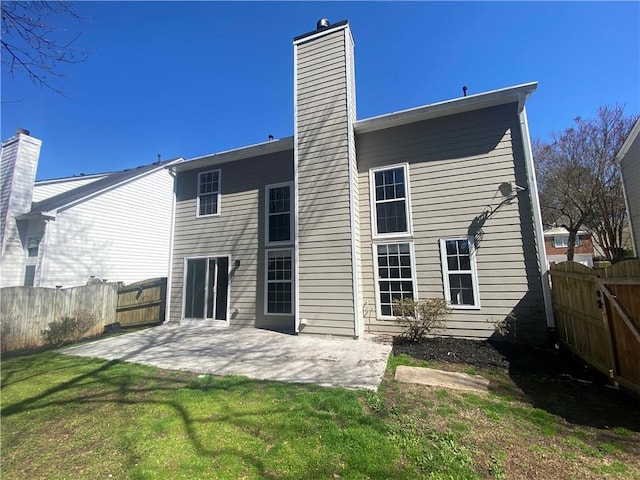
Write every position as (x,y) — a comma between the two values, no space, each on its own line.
(456,165)
(630,166)
(326,301)
(238,232)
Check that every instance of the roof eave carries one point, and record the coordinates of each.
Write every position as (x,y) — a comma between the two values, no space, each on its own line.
(626,146)
(517,94)
(264,148)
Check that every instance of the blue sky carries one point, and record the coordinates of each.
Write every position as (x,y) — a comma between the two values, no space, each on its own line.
(191,78)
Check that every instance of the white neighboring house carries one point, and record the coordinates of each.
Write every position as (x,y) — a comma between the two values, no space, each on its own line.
(629,161)
(64,232)
(556,242)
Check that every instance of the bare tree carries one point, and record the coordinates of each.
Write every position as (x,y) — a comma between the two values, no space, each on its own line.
(36,39)
(580,183)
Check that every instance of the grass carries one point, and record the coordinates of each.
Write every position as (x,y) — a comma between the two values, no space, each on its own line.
(69,417)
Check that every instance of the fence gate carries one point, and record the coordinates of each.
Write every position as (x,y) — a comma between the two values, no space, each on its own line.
(142,303)
(598,317)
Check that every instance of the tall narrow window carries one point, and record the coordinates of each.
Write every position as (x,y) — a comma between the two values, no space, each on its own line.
(209,193)
(279,218)
(279,288)
(395,275)
(390,201)
(459,272)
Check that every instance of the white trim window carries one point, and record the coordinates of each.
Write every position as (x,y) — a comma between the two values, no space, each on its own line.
(459,272)
(390,201)
(278,298)
(278,210)
(562,241)
(395,277)
(209,193)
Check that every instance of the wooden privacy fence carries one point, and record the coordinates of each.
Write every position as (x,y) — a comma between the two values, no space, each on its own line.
(142,303)
(597,316)
(26,311)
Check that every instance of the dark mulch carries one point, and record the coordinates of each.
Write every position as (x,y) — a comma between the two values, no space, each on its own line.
(496,354)
(551,378)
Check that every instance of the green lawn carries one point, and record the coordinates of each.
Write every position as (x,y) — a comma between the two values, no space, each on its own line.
(69,417)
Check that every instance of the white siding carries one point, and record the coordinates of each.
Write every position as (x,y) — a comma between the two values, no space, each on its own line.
(18,165)
(456,165)
(120,235)
(49,188)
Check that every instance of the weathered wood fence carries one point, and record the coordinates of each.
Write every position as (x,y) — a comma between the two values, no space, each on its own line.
(26,311)
(597,316)
(142,303)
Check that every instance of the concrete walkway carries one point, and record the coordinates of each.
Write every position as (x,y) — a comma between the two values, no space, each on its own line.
(439,378)
(254,353)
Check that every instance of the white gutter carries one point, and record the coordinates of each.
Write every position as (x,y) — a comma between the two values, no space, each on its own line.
(449,107)
(537,216)
(167,308)
(296,244)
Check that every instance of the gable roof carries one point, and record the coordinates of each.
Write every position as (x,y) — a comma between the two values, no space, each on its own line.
(516,94)
(90,189)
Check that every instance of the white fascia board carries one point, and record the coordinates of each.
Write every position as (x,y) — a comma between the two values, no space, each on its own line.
(75,202)
(235,154)
(75,178)
(626,146)
(478,101)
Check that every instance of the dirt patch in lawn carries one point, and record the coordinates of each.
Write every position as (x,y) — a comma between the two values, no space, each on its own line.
(547,414)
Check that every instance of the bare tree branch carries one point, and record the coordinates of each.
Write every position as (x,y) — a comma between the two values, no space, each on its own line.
(36,40)
(580,184)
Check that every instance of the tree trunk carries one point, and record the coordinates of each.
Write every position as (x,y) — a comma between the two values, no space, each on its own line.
(571,244)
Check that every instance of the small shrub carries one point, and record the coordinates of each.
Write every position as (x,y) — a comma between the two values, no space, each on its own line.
(421,317)
(69,328)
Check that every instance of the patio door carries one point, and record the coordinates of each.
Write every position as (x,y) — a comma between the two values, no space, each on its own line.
(206,288)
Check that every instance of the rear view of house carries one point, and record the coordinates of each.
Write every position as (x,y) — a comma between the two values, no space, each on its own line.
(320,232)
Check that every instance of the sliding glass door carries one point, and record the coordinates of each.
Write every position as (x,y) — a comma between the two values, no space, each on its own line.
(206,288)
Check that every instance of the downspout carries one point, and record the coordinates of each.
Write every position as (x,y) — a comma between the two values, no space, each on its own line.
(537,215)
(296,245)
(167,310)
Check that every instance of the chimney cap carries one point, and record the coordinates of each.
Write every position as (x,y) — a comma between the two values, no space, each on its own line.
(22,131)
(323,23)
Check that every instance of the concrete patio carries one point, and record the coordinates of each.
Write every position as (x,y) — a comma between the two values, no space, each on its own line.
(254,353)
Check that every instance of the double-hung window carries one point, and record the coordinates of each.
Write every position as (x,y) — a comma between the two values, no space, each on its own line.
(562,241)
(459,272)
(279,219)
(394,264)
(279,285)
(391,209)
(209,193)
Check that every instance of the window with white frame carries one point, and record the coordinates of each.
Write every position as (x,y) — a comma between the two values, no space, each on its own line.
(209,193)
(279,284)
(390,201)
(33,246)
(459,272)
(562,241)
(395,277)
(278,208)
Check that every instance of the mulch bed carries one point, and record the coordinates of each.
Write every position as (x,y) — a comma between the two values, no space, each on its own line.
(496,354)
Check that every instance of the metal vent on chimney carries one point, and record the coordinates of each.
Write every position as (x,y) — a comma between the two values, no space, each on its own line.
(323,23)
